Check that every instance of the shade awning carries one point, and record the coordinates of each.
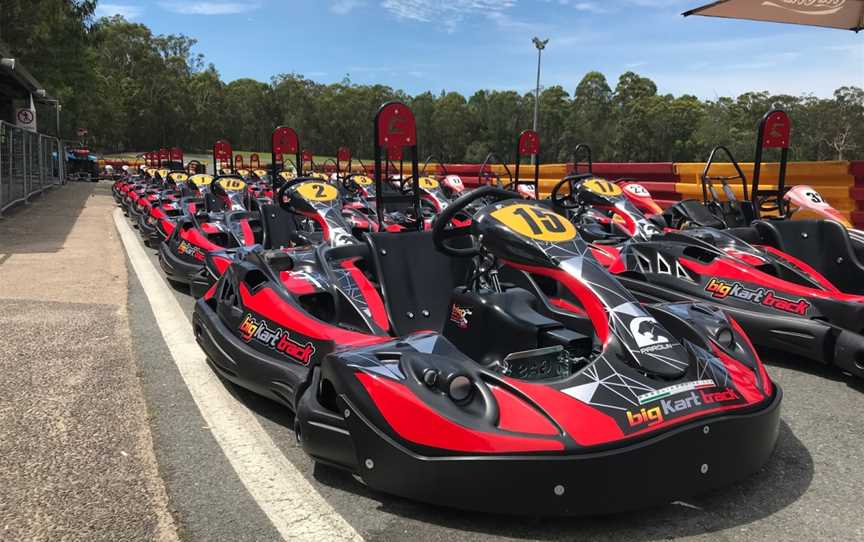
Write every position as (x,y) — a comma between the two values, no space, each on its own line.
(843,14)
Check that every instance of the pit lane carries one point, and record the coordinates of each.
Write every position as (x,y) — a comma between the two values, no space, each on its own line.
(810,489)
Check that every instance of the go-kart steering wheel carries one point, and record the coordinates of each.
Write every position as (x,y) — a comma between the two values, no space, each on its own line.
(442,236)
(568,201)
(350,185)
(282,197)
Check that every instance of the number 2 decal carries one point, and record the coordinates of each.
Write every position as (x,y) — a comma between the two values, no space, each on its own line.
(316,191)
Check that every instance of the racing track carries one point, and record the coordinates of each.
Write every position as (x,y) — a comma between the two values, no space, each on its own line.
(233,471)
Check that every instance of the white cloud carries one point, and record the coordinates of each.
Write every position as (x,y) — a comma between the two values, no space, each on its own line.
(129,12)
(210,8)
(446,11)
(344,7)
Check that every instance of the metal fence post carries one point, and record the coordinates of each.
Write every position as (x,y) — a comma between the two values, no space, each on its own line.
(3,178)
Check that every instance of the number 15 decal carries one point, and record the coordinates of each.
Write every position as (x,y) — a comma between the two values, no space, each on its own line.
(536,222)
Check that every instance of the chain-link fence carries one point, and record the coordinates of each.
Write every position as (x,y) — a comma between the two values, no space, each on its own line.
(30,163)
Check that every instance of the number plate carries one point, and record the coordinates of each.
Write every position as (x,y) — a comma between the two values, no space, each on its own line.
(317,191)
(536,223)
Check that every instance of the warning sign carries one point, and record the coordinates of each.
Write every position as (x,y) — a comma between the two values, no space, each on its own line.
(25,118)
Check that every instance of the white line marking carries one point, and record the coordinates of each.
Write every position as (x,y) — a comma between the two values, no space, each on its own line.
(291,503)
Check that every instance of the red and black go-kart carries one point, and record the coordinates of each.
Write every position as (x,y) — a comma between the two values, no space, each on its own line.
(186,199)
(225,220)
(782,302)
(411,361)
(154,205)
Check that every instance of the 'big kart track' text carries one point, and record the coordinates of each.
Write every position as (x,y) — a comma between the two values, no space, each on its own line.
(276,339)
(761,296)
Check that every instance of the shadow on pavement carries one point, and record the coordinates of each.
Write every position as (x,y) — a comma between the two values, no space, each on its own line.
(43,225)
(791,362)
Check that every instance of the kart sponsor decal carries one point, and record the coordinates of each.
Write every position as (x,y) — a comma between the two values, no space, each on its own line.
(186,248)
(428,183)
(649,335)
(459,316)
(317,191)
(670,408)
(276,339)
(760,296)
(536,222)
(602,188)
(232,184)
(201,180)
(675,390)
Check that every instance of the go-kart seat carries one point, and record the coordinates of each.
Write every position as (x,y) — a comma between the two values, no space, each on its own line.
(694,212)
(280,229)
(823,244)
(212,204)
(416,280)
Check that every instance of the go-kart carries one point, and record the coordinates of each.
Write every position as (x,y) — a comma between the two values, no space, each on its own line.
(781,301)
(494,367)
(187,198)
(156,206)
(227,218)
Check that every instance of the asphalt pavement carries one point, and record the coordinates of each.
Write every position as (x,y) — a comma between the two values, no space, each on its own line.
(97,361)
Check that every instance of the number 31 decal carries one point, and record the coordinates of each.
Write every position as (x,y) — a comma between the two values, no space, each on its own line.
(536,222)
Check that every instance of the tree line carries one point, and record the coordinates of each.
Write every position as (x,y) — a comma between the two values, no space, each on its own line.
(138,91)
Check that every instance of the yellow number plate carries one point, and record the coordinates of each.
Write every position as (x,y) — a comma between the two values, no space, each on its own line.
(428,183)
(261,172)
(536,223)
(243,172)
(201,180)
(363,180)
(602,188)
(232,184)
(317,191)
(179,177)
(287,175)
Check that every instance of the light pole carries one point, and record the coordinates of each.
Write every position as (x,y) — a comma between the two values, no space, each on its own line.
(540,45)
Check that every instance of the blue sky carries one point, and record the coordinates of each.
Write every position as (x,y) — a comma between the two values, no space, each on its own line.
(465,45)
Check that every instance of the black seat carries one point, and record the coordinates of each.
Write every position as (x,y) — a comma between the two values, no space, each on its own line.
(280,229)
(694,212)
(212,204)
(823,244)
(416,280)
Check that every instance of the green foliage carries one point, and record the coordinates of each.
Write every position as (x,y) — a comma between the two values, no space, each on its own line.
(139,91)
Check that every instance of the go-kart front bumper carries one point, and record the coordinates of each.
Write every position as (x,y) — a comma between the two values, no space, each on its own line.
(683,461)
(178,270)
